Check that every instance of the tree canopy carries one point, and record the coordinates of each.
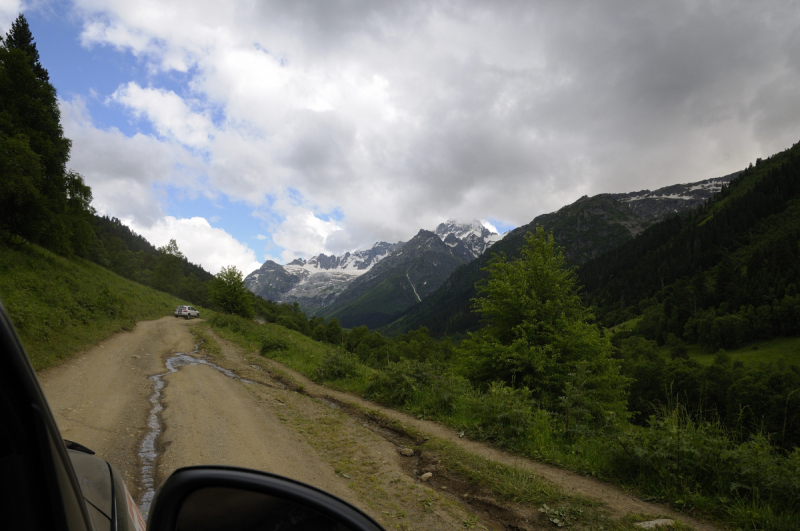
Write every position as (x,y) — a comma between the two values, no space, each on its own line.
(41,200)
(228,293)
(21,38)
(538,336)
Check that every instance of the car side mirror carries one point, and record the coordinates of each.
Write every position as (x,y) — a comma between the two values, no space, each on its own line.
(215,498)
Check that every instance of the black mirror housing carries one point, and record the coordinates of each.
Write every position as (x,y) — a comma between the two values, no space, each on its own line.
(212,498)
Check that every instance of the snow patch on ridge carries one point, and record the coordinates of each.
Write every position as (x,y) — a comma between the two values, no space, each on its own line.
(476,235)
(318,281)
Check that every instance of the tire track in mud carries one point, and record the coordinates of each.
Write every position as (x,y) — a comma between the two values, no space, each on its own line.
(205,414)
(366,449)
(100,397)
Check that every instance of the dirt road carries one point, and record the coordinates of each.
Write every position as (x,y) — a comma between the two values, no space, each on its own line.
(102,399)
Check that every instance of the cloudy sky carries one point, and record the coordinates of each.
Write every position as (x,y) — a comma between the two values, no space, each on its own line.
(276,129)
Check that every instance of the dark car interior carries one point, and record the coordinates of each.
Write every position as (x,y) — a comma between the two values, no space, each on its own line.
(37,484)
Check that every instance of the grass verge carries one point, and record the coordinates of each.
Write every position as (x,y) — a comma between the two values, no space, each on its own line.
(503,483)
(206,341)
(689,463)
(60,305)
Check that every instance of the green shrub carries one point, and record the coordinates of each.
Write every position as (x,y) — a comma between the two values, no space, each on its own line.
(337,365)
(443,396)
(397,384)
(683,458)
(271,344)
(503,414)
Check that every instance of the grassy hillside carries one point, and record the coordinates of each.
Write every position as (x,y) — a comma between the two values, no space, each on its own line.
(768,350)
(62,305)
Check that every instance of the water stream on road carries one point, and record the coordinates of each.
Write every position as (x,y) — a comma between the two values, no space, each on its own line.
(149,449)
(148,452)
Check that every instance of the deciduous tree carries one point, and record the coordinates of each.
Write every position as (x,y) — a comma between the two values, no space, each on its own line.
(229,294)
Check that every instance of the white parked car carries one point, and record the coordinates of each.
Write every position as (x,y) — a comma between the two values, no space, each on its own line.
(186,311)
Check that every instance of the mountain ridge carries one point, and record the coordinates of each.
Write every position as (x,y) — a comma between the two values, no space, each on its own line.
(399,281)
(316,284)
(585,229)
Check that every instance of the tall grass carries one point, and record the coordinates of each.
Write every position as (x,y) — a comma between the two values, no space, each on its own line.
(694,462)
(60,305)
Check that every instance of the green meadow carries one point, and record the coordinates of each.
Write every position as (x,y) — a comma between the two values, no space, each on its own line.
(61,306)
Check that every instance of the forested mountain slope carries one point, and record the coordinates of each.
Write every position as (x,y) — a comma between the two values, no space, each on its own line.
(725,274)
(585,229)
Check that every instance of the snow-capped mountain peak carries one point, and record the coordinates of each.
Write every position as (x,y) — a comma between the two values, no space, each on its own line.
(317,282)
(354,263)
(475,235)
(460,230)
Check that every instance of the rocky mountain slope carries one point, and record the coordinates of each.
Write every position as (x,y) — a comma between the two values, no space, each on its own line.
(399,281)
(585,229)
(672,199)
(318,283)
(474,236)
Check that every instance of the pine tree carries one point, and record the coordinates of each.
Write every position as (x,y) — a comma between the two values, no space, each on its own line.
(21,38)
(40,200)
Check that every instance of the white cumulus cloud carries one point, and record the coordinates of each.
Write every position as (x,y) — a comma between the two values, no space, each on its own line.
(9,9)
(169,113)
(211,247)
(124,171)
(400,114)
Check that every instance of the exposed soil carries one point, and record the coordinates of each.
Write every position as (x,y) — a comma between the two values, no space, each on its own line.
(100,398)
(319,436)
